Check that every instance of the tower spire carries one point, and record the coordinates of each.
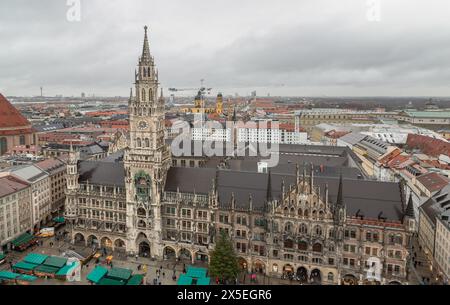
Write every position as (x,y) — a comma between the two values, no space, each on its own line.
(269,187)
(146,48)
(339,200)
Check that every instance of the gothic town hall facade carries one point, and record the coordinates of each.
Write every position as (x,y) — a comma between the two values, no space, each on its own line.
(328,230)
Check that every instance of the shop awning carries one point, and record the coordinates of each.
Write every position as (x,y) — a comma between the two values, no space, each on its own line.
(25,266)
(7,275)
(46,269)
(26,278)
(65,269)
(97,274)
(35,258)
(184,280)
(120,274)
(55,261)
(110,282)
(204,281)
(135,280)
(22,239)
(59,219)
(196,272)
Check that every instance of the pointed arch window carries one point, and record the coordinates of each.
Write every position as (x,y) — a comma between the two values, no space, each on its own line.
(148,72)
(144,98)
(138,142)
(150,94)
(147,142)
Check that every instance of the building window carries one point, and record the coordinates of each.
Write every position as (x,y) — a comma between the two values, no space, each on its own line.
(22,140)
(3,146)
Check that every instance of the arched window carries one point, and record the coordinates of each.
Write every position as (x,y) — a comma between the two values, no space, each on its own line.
(144,71)
(288,243)
(331,248)
(147,142)
(314,214)
(3,146)
(148,72)
(330,277)
(303,245)
(138,142)
(292,211)
(288,227)
(306,214)
(317,247)
(303,229)
(150,94)
(320,214)
(286,211)
(300,212)
(318,231)
(144,98)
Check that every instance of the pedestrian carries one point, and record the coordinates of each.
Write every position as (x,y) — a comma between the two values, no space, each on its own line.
(164,274)
(137,257)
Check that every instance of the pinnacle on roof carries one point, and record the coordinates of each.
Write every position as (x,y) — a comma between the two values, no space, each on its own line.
(409,212)
(339,200)
(269,187)
(146,49)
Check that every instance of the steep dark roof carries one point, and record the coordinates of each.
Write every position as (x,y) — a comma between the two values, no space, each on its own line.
(371,198)
(103,173)
(10,116)
(410,208)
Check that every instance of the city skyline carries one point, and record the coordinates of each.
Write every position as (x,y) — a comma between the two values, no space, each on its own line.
(232,46)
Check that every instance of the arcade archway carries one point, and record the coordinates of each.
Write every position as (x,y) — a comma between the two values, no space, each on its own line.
(302,275)
(79,240)
(349,279)
(316,277)
(169,253)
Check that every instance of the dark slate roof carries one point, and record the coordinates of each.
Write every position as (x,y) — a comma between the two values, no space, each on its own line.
(103,173)
(189,180)
(331,167)
(371,198)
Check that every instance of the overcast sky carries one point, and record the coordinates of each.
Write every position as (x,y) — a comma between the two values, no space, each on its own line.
(286,47)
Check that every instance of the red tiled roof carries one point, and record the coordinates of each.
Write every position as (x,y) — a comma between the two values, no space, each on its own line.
(10,116)
(433,181)
(428,145)
(10,185)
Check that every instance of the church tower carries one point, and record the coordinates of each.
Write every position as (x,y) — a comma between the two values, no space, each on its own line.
(146,160)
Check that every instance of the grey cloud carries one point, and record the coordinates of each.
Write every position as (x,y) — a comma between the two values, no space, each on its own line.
(316,48)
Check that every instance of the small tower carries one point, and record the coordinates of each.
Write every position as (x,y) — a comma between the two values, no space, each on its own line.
(72,185)
(219,104)
(409,219)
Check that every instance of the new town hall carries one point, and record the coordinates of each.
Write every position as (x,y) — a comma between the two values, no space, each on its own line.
(321,223)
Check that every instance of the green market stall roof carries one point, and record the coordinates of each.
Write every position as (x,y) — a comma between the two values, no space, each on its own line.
(46,269)
(196,272)
(35,258)
(23,239)
(120,274)
(26,278)
(63,271)
(110,282)
(204,281)
(59,219)
(184,280)
(135,280)
(97,274)
(25,266)
(55,261)
(7,275)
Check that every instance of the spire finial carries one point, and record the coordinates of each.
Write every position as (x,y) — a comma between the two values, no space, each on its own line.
(146,50)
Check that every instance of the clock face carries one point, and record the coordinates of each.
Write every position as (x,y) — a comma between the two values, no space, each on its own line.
(142,125)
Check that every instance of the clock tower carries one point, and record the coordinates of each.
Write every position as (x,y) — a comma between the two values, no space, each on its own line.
(146,159)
